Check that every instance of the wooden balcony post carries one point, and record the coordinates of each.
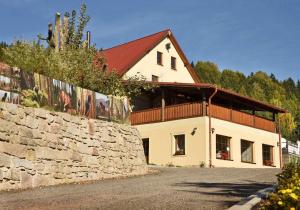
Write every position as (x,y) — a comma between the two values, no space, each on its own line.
(163,104)
(204,105)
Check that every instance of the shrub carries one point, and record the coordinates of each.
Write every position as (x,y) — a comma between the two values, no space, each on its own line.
(287,194)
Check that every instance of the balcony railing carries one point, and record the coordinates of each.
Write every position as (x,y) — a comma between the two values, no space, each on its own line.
(190,110)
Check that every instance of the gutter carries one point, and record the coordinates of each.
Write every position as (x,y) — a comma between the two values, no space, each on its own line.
(280,149)
(209,125)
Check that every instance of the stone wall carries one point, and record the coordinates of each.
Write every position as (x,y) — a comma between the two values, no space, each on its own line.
(39,147)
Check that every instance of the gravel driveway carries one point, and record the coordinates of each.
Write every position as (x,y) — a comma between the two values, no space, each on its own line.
(171,188)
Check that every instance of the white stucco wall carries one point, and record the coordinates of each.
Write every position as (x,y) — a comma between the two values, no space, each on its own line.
(148,66)
(197,146)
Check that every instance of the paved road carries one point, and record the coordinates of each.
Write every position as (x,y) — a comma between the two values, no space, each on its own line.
(172,188)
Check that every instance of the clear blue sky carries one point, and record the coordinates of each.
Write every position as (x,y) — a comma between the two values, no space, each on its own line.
(236,34)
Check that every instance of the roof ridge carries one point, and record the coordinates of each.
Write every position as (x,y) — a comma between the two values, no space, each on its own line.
(137,39)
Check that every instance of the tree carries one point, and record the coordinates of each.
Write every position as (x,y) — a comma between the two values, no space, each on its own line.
(3,45)
(290,87)
(233,80)
(74,63)
(208,72)
(288,125)
(260,86)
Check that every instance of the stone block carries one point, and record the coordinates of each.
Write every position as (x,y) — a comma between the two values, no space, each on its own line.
(25,132)
(4,160)
(84,149)
(52,154)
(40,113)
(36,134)
(31,122)
(95,152)
(59,176)
(15,174)
(41,180)
(43,126)
(4,137)
(54,128)
(26,180)
(6,174)
(13,149)
(21,163)
(76,157)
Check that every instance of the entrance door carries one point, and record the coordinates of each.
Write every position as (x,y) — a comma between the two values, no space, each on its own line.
(146,148)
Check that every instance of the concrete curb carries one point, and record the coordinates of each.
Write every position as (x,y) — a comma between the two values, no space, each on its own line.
(249,202)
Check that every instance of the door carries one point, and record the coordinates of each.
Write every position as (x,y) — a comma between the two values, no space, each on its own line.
(146,148)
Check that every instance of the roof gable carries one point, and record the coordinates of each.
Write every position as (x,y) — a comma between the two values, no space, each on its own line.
(122,57)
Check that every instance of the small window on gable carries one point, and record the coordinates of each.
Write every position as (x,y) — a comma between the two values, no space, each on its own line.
(154,78)
(173,63)
(179,144)
(159,58)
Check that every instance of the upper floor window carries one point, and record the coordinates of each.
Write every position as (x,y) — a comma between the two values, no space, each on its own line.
(159,58)
(223,147)
(173,63)
(154,78)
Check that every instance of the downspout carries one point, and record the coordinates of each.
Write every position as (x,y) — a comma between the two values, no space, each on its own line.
(279,135)
(209,125)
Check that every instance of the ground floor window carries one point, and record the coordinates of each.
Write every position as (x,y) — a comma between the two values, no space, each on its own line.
(267,155)
(223,147)
(247,151)
(179,144)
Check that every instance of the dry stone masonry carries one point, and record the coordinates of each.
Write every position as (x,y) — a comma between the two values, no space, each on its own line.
(39,148)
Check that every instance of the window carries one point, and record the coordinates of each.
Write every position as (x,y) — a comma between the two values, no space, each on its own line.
(154,78)
(223,147)
(146,148)
(179,144)
(246,151)
(159,58)
(267,155)
(173,63)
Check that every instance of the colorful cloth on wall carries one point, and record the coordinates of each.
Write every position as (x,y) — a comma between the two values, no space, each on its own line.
(62,96)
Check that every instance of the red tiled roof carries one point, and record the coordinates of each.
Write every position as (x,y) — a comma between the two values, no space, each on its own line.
(122,57)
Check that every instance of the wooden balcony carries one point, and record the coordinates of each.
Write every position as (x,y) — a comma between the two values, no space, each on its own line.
(182,111)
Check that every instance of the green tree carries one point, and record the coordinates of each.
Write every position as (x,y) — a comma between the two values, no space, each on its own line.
(260,86)
(3,45)
(233,80)
(208,72)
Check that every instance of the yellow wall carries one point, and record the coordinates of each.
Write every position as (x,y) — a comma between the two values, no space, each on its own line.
(161,142)
(161,146)
(148,66)
(238,132)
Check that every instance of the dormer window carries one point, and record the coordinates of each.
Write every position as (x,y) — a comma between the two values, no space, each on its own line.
(173,63)
(159,58)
